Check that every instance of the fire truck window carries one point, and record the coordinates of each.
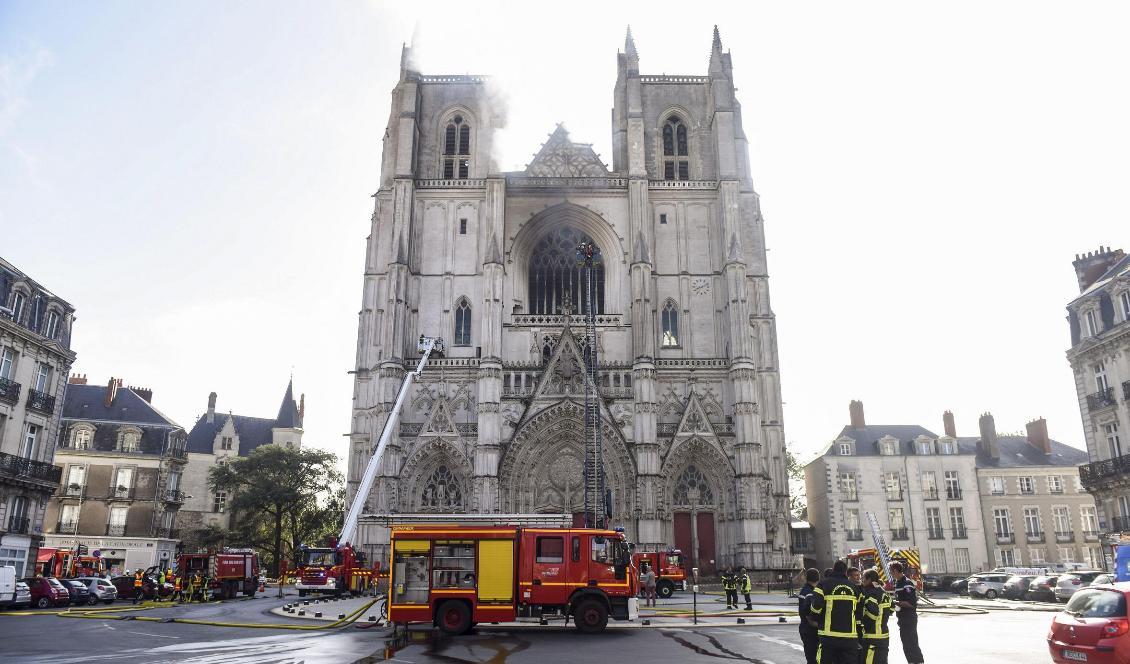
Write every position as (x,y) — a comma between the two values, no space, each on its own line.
(576,549)
(551,550)
(600,550)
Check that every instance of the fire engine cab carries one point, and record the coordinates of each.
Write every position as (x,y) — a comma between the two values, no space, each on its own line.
(669,571)
(457,575)
(333,569)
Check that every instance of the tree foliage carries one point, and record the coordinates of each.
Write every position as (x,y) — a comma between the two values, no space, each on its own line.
(281,497)
(798,501)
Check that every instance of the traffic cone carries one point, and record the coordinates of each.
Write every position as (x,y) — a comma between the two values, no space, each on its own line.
(262,587)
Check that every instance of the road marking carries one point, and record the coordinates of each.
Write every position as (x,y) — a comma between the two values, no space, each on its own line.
(782,642)
(159,636)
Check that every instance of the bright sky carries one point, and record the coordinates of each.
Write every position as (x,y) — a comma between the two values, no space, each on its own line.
(196,177)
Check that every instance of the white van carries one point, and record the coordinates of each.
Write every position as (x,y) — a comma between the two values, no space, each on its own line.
(7,585)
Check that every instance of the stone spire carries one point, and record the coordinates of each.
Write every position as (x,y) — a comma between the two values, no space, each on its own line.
(630,44)
(716,53)
(641,253)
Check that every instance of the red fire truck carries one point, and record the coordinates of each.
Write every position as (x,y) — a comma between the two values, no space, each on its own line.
(65,563)
(457,575)
(228,572)
(333,569)
(668,567)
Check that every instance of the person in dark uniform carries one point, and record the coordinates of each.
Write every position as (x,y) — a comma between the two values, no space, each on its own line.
(906,599)
(835,601)
(808,624)
(730,585)
(856,577)
(874,611)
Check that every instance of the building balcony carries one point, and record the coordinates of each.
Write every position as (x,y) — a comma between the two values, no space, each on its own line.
(174,496)
(122,493)
(894,496)
(899,534)
(1126,390)
(953,494)
(20,468)
(1064,537)
(72,490)
(9,391)
(959,533)
(66,527)
(1094,474)
(1102,399)
(997,492)
(1006,538)
(168,533)
(40,401)
(179,453)
(854,535)
(116,529)
(930,494)
(1035,538)
(18,525)
(1090,535)
(936,533)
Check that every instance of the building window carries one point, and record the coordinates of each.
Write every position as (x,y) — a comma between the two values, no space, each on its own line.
(1002,522)
(996,485)
(1027,484)
(68,518)
(848,486)
(17,307)
(1093,557)
(1112,441)
(463,323)
(225,442)
(76,480)
(1092,328)
(938,561)
(897,519)
(1123,508)
(1125,298)
(462,226)
(845,449)
(851,518)
(957,521)
(555,275)
(675,163)
(1101,383)
(82,439)
(925,447)
(953,485)
(42,377)
(1055,484)
(51,330)
(31,434)
(14,557)
(893,484)
(442,492)
(1006,557)
(670,322)
(663,219)
(888,447)
(961,561)
(692,488)
(117,524)
(947,447)
(929,485)
(456,149)
(1067,554)
(1088,520)
(1061,517)
(934,522)
(1032,525)
(219,501)
(1037,555)
(123,482)
(7,363)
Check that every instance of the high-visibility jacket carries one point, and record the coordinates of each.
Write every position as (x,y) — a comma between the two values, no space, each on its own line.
(729,582)
(747,585)
(137,580)
(876,608)
(835,603)
(177,584)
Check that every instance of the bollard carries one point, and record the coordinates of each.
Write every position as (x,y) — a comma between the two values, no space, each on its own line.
(372,619)
(646,623)
(543,621)
(341,616)
(318,614)
(781,619)
(741,621)
(306,602)
(302,612)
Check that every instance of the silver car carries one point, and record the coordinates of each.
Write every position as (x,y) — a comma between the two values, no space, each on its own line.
(988,585)
(23,595)
(101,590)
(1069,583)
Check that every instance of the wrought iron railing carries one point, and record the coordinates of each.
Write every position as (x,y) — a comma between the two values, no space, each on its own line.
(1119,523)
(116,529)
(854,535)
(1034,537)
(1064,536)
(953,493)
(66,527)
(40,401)
(1092,474)
(930,494)
(178,452)
(9,390)
(174,496)
(73,490)
(936,533)
(1091,535)
(1102,399)
(894,495)
(899,534)
(1006,538)
(122,492)
(960,533)
(18,525)
(18,466)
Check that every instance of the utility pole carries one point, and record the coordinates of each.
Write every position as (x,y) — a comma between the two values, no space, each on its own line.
(595,512)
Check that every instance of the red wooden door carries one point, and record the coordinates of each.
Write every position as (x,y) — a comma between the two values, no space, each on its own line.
(706,554)
(683,536)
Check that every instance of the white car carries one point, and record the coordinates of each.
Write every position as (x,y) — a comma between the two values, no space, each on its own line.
(987,585)
(1069,583)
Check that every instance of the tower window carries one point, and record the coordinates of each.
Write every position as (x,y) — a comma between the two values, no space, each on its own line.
(456,149)
(663,219)
(462,226)
(676,165)
(670,324)
(463,323)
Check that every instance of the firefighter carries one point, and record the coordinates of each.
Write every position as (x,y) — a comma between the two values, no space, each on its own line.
(906,598)
(874,611)
(195,587)
(730,585)
(834,604)
(178,589)
(808,624)
(747,588)
(138,585)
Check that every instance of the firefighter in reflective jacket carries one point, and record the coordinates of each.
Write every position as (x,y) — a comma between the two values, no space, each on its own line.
(875,609)
(730,585)
(138,585)
(834,605)
(746,587)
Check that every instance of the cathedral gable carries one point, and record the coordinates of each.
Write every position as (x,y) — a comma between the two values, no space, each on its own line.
(439,422)
(562,158)
(564,374)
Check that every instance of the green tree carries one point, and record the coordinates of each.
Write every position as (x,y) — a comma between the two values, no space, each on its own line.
(798,501)
(271,488)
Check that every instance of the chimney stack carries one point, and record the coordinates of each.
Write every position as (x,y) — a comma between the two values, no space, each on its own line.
(1091,265)
(948,425)
(143,392)
(1038,435)
(988,443)
(77,379)
(112,391)
(855,409)
(211,407)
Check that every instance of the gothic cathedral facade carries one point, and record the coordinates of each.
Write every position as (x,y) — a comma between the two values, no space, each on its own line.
(693,444)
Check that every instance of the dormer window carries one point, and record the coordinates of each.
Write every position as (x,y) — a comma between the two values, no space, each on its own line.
(845,449)
(1125,299)
(17,306)
(676,165)
(888,447)
(225,442)
(51,328)
(946,447)
(456,149)
(1092,327)
(924,446)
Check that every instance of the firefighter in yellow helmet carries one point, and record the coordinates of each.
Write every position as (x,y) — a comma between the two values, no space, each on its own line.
(835,601)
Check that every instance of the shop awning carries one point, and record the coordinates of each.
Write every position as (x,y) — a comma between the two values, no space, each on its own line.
(45,555)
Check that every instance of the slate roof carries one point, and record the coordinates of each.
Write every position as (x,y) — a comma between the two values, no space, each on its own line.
(1017,452)
(1121,267)
(87,402)
(253,432)
(867,438)
(289,417)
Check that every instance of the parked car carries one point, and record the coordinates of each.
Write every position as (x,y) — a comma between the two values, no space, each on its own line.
(1069,583)
(23,595)
(80,594)
(1017,586)
(47,591)
(1104,580)
(1042,588)
(961,586)
(987,585)
(101,590)
(931,582)
(1093,627)
(149,587)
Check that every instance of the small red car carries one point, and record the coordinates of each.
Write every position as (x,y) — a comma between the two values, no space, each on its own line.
(47,591)
(1094,627)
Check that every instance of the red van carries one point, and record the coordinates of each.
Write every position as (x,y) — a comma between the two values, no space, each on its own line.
(47,591)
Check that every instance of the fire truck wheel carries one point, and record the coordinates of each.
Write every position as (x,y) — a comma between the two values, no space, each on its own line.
(590,616)
(453,617)
(665,589)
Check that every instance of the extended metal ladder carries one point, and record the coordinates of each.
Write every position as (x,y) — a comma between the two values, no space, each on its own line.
(595,512)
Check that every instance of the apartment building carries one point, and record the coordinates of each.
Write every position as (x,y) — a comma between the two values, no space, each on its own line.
(35,359)
(123,462)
